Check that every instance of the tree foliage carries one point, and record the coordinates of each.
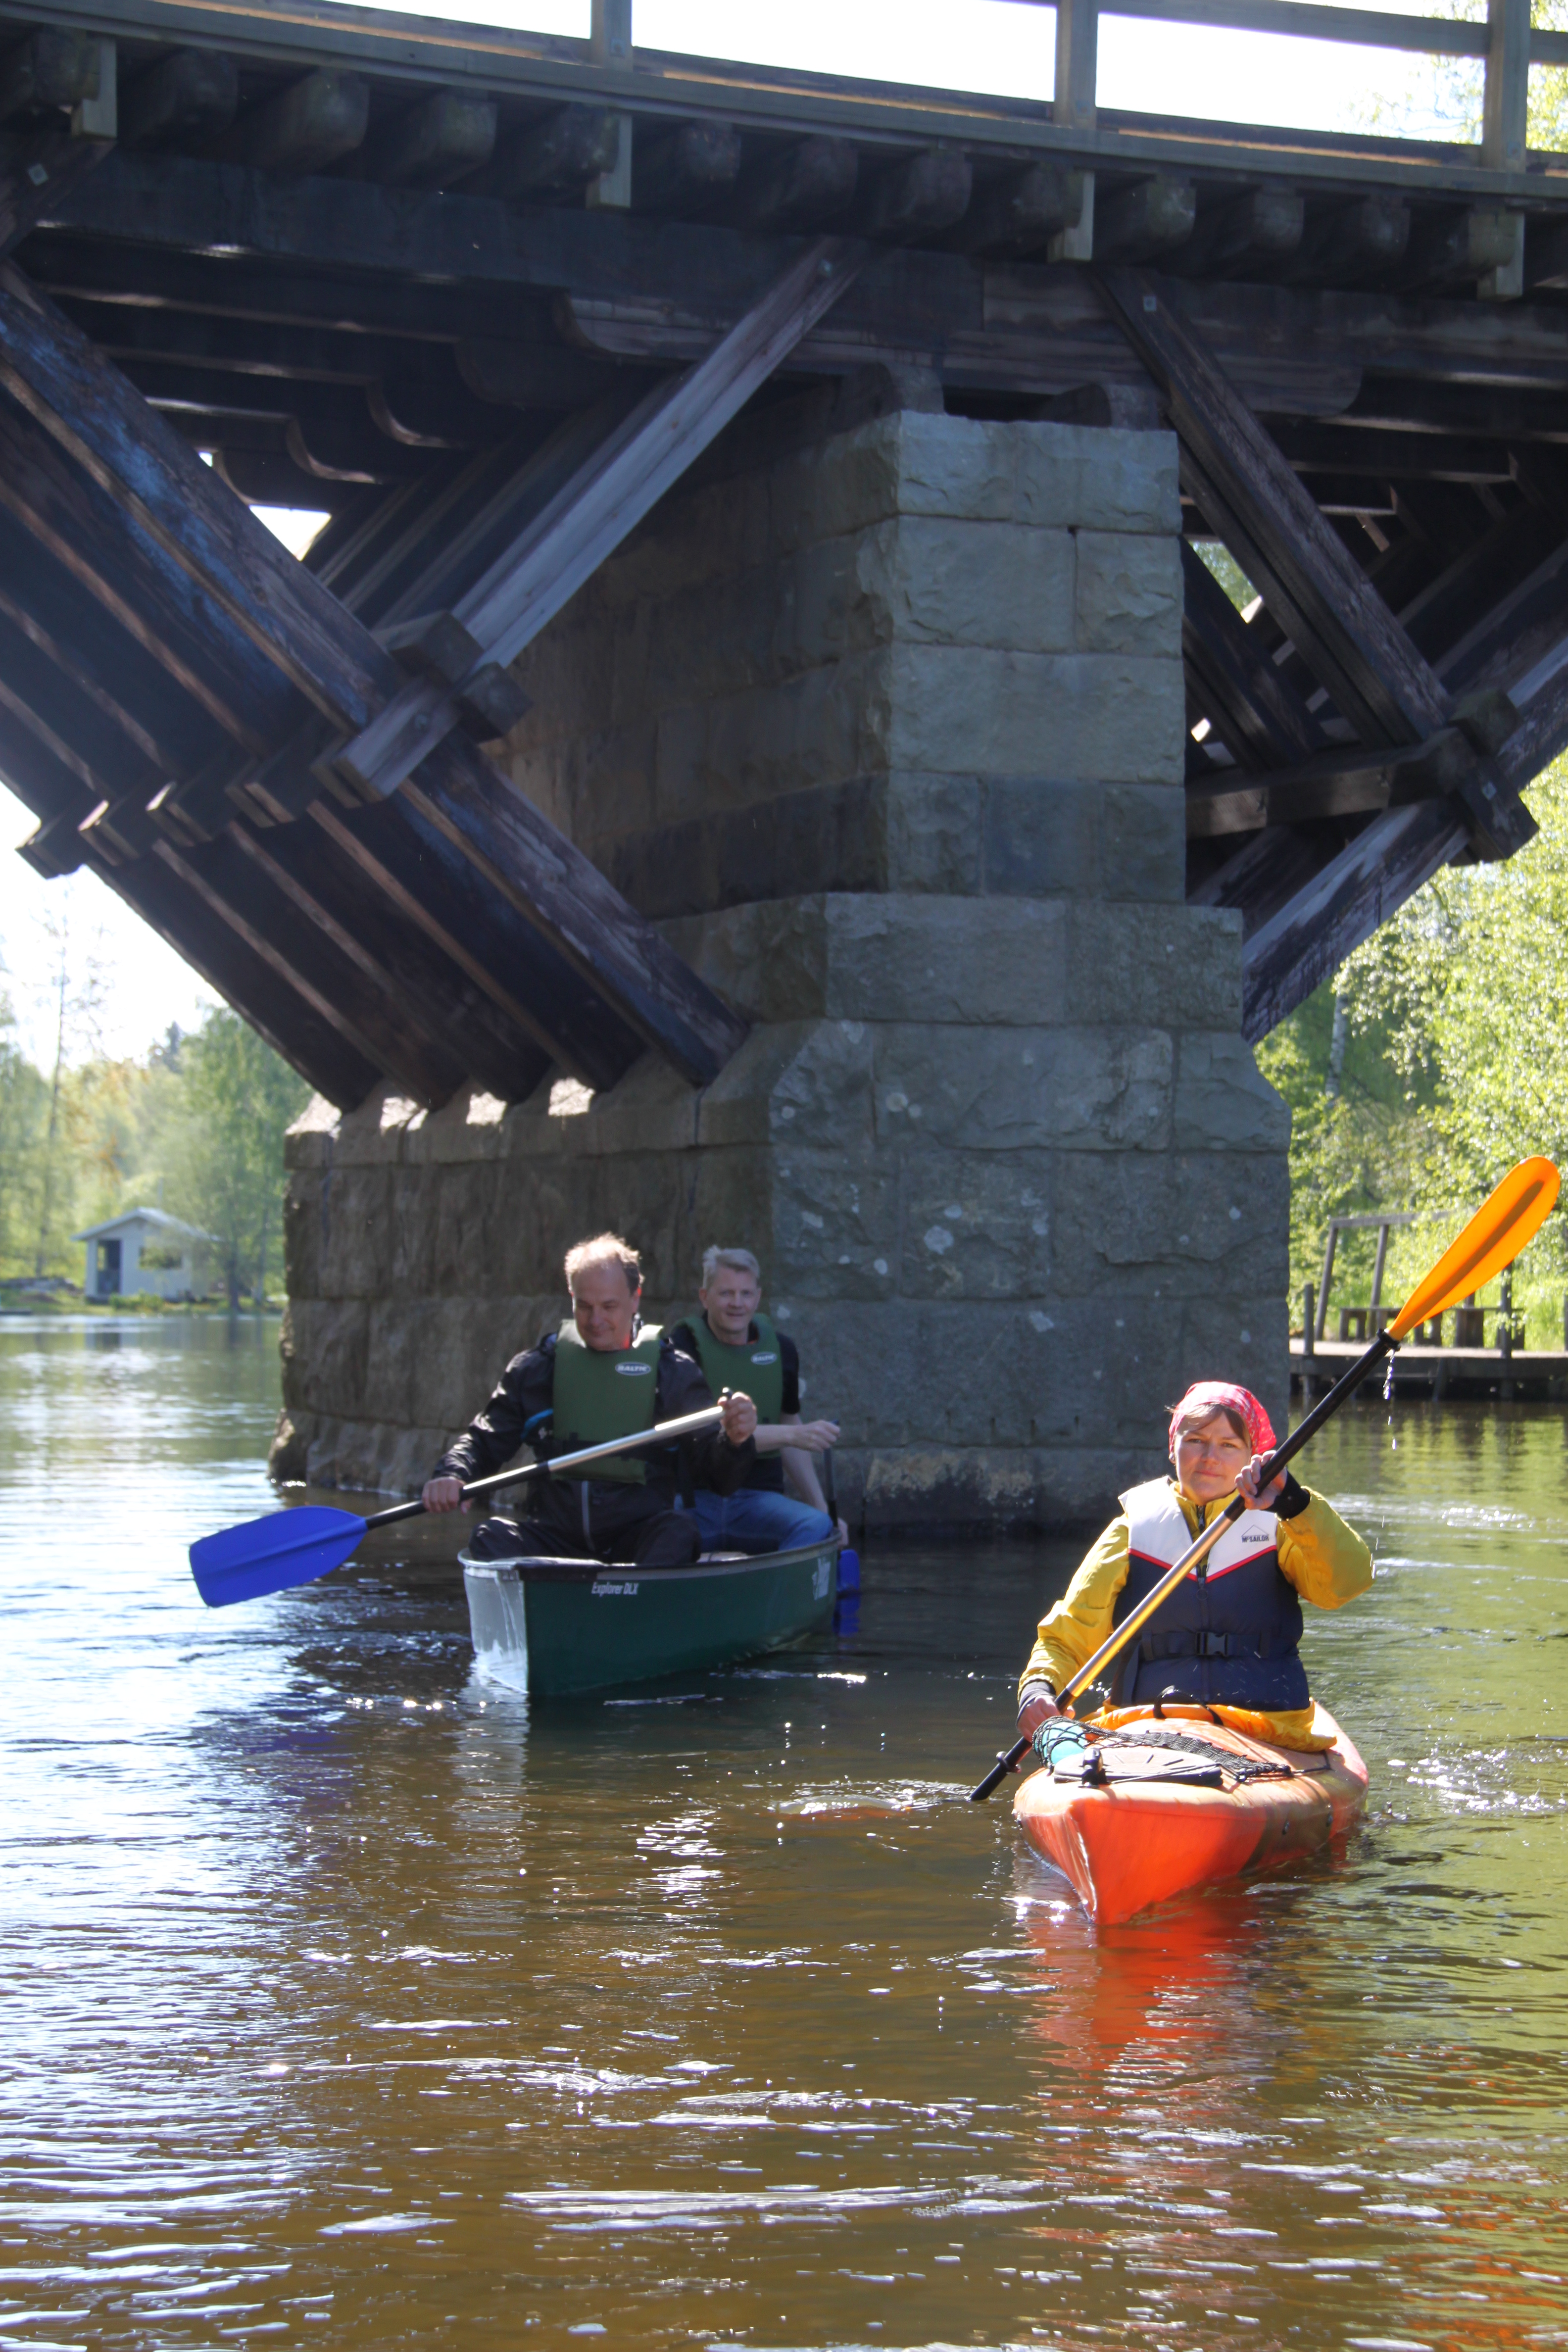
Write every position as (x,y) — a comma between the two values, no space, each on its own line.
(235,1101)
(1454,1016)
(195,1127)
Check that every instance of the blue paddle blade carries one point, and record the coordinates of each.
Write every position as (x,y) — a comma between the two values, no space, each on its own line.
(269,1555)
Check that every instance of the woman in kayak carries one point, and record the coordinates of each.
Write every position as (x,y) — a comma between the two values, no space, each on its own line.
(1227,1637)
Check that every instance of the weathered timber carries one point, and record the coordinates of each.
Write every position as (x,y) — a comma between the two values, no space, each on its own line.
(1524,629)
(206,339)
(157,606)
(117,750)
(303,129)
(50,70)
(618,485)
(1312,447)
(290,1024)
(688,170)
(1145,222)
(799,187)
(1506,103)
(1250,702)
(269,478)
(1346,244)
(907,300)
(564,150)
(427,989)
(427,406)
(1338,622)
(1019,213)
(1286,956)
(534,375)
(349,450)
(38,171)
(1389,403)
(192,94)
(152,481)
(446,138)
(1459,249)
(919,197)
(1254,233)
(1344,783)
(424,869)
(242,894)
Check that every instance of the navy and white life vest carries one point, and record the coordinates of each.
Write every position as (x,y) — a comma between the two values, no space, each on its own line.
(1230,1633)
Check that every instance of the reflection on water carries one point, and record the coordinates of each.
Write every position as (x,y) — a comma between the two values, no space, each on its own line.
(346,2001)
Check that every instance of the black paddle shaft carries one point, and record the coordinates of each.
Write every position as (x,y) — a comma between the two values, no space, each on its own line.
(1008,1760)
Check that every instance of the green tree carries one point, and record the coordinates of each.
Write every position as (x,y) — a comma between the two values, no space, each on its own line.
(22,1099)
(224,1145)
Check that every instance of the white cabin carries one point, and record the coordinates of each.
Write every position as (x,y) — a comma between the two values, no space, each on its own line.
(143,1252)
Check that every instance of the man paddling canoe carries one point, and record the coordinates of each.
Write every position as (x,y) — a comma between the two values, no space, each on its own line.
(1227,1637)
(604,1374)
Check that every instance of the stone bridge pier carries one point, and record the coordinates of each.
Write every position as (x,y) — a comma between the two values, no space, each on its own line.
(884,725)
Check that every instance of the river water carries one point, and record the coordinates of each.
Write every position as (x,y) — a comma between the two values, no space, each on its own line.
(345,2002)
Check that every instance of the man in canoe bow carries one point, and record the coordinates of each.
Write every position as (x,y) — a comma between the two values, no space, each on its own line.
(739,1346)
(604,1374)
(1227,1637)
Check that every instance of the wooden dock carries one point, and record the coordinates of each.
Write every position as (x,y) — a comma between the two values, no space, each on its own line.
(1530,1375)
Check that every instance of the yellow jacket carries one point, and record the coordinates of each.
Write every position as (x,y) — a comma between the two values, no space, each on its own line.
(1325,1560)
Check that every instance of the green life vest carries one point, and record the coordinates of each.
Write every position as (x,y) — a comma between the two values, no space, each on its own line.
(599,1393)
(756,1369)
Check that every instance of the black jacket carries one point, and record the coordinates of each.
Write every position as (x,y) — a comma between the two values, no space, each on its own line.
(519,1414)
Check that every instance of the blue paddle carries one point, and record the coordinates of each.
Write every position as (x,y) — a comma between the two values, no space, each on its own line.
(289,1547)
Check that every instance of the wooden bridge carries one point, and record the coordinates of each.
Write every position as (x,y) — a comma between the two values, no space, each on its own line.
(486,296)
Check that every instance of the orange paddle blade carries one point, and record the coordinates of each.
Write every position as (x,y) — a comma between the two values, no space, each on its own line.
(1499,1229)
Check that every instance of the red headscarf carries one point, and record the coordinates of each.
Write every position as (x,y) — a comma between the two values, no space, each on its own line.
(1205,1397)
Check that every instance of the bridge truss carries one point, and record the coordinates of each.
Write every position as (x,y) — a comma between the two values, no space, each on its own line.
(485,296)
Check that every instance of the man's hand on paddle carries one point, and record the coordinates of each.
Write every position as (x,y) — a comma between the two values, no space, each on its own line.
(739,1416)
(1247,1484)
(443,1495)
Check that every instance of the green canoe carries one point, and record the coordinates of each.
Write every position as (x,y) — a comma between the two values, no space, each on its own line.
(554,1626)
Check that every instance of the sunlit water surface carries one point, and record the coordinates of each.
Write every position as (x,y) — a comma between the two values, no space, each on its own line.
(346,2001)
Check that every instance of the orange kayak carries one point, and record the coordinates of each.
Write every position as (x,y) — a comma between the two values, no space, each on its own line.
(1161,1806)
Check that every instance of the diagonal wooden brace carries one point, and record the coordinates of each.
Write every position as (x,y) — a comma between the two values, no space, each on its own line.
(1340,625)
(604,501)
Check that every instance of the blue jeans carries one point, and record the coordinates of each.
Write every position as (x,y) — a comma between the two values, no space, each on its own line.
(759,1518)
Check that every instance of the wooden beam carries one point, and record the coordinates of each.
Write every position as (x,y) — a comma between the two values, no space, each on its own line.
(1019,213)
(50,71)
(427,989)
(690,169)
(1343,783)
(1318,593)
(193,94)
(437,253)
(38,172)
(1356,892)
(919,197)
(154,602)
(564,151)
(527,585)
(1255,232)
(802,186)
(444,139)
(240,892)
(1507,98)
(1146,221)
(303,129)
(152,486)
(1312,447)
(1247,698)
(423,870)
(1347,243)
